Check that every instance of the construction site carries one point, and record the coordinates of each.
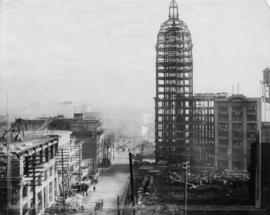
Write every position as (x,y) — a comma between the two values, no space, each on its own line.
(207,141)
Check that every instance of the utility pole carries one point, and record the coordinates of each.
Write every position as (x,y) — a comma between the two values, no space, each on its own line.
(258,176)
(142,151)
(131,179)
(118,205)
(95,153)
(8,159)
(79,162)
(186,167)
(63,183)
(34,182)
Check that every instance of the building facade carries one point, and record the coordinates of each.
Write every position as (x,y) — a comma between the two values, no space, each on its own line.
(29,179)
(265,133)
(203,147)
(174,89)
(237,120)
(90,131)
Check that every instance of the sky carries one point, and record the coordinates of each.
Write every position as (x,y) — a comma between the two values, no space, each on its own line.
(102,52)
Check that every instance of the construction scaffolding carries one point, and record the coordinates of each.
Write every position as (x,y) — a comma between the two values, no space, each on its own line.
(174,89)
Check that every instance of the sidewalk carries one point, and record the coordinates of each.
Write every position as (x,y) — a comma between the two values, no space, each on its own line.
(111,183)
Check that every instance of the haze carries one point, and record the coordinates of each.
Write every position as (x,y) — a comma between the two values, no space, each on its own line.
(103,52)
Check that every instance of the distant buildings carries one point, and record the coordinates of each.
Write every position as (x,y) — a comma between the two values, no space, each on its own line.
(87,129)
(69,108)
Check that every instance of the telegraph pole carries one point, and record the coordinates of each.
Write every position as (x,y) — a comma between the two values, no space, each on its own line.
(258,176)
(186,166)
(8,160)
(63,183)
(118,205)
(80,171)
(142,151)
(34,182)
(131,179)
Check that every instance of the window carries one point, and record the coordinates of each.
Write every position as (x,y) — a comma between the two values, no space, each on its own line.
(222,117)
(55,187)
(237,116)
(50,192)
(238,165)
(223,164)
(25,209)
(237,150)
(223,142)
(24,191)
(222,150)
(15,195)
(237,126)
(51,170)
(47,154)
(237,142)
(45,175)
(251,134)
(223,110)
(252,117)
(252,126)
(223,133)
(39,201)
(237,134)
(252,109)
(223,126)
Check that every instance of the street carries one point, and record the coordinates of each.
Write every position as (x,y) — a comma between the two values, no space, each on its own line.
(111,183)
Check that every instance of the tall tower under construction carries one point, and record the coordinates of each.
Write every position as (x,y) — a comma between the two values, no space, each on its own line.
(174,89)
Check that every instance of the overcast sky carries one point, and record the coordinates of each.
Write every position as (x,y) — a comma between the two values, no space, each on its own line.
(103,51)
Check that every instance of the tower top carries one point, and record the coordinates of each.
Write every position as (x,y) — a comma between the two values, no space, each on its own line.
(173,10)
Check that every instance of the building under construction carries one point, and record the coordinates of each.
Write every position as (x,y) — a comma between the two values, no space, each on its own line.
(36,168)
(174,89)
(28,181)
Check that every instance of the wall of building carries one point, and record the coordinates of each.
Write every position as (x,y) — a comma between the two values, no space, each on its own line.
(38,160)
(237,119)
(203,148)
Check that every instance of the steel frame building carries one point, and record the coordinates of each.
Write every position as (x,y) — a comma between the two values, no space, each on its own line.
(174,89)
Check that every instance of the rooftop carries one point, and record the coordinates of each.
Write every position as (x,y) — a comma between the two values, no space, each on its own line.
(18,147)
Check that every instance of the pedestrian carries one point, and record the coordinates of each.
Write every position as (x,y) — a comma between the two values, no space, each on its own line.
(101,202)
(94,188)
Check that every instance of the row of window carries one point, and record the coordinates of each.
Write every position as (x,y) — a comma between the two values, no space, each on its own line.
(236,165)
